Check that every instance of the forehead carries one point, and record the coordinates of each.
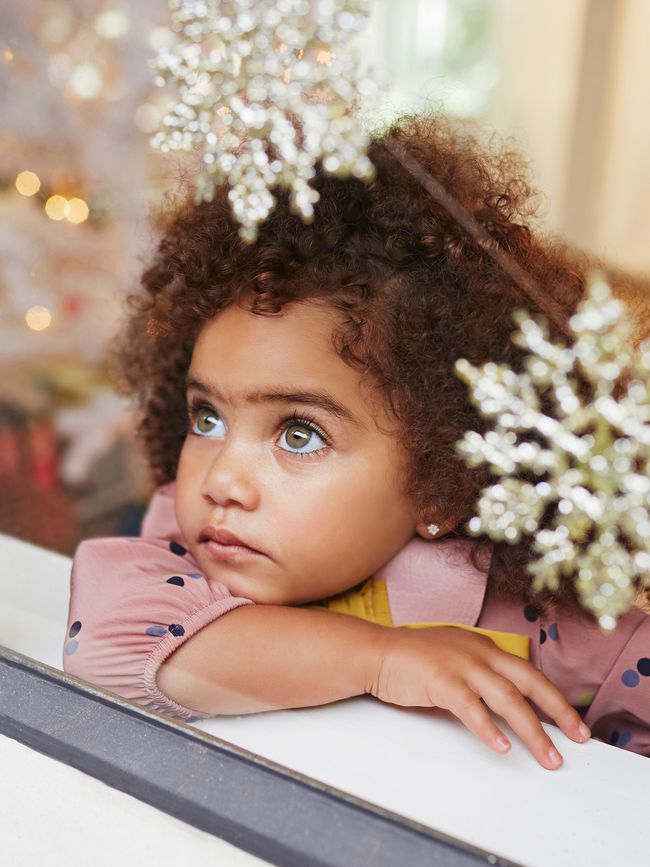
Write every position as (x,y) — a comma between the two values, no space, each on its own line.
(274,336)
(242,352)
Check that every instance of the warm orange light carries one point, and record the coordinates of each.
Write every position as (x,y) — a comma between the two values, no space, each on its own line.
(38,318)
(77,211)
(28,183)
(57,208)
(325,57)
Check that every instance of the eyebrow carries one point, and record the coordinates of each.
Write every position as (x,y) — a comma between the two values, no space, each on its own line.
(282,395)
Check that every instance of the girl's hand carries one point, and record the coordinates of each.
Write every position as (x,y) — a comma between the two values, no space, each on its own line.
(463,672)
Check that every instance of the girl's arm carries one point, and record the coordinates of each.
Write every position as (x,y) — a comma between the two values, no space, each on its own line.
(264,657)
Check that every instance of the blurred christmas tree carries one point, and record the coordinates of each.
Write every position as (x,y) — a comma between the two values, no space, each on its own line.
(77,179)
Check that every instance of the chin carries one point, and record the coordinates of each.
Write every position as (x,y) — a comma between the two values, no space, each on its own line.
(249,589)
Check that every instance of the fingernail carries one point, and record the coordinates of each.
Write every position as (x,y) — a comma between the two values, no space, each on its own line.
(584,730)
(554,757)
(503,743)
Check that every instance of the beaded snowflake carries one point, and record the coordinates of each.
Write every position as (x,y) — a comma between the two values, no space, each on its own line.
(593,493)
(267,88)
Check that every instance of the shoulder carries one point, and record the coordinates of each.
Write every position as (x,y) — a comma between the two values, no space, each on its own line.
(160,518)
(436,580)
(444,558)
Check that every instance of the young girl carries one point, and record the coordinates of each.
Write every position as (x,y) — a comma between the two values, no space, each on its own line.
(300,412)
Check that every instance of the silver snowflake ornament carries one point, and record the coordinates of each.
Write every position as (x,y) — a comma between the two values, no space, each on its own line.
(591,454)
(267,88)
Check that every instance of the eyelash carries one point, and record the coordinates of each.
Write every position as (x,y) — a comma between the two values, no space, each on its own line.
(194,406)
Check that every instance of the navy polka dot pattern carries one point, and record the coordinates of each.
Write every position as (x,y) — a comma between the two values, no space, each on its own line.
(619,739)
(178,581)
(643,666)
(73,644)
(630,678)
(175,629)
(148,596)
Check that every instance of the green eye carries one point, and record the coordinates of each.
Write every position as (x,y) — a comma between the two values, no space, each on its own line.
(205,422)
(302,438)
(298,436)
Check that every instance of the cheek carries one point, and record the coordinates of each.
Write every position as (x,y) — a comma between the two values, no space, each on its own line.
(187,480)
(182,473)
(190,463)
(355,526)
(369,491)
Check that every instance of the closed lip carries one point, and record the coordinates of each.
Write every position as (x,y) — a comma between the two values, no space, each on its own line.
(224,537)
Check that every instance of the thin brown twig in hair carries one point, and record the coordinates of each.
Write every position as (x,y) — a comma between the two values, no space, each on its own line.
(508,265)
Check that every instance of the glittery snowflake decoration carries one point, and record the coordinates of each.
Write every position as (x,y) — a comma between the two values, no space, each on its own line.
(267,87)
(593,462)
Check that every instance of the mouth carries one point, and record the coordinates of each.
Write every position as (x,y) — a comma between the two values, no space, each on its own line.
(224,545)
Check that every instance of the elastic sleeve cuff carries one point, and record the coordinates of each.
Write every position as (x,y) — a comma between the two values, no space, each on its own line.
(201,618)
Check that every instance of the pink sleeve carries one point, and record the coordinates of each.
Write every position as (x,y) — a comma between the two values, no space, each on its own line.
(132,603)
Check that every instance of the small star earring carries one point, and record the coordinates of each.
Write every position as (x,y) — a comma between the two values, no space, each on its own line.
(433,529)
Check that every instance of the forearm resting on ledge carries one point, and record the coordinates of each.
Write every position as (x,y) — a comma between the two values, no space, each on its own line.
(266,657)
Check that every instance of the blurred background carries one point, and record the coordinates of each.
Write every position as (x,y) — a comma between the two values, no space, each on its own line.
(79,183)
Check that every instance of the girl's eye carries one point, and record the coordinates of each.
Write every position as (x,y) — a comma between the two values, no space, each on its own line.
(206,422)
(303,436)
(300,436)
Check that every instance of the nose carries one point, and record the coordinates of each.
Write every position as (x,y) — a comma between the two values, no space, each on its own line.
(230,476)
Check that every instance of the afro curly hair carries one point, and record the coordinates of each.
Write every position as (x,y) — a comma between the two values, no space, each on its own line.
(414,292)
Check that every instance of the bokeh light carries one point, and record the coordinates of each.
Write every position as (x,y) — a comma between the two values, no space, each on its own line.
(147,117)
(57,25)
(28,183)
(77,211)
(160,37)
(38,318)
(112,24)
(86,81)
(57,208)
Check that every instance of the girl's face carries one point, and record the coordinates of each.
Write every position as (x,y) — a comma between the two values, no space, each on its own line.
(284,452)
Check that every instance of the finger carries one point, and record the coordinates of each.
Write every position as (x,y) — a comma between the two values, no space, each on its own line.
(467,706)
(504,698)
(548,698)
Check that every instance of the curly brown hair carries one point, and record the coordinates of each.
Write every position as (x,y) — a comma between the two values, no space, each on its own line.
(414,292)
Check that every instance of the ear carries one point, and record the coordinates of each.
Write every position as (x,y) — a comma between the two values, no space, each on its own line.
(445,527)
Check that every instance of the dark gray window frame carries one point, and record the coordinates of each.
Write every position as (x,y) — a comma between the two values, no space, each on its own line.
(257,805)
